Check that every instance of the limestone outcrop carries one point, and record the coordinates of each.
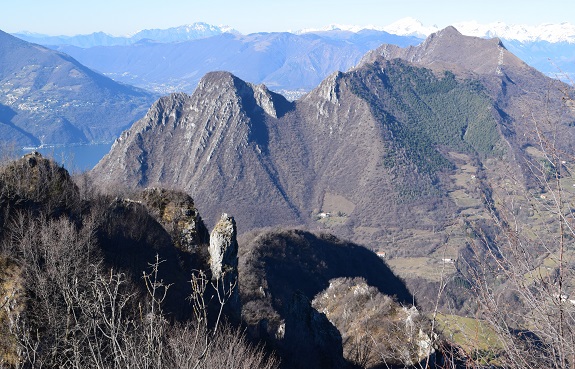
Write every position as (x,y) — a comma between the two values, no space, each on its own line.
(176,211)
(224,248)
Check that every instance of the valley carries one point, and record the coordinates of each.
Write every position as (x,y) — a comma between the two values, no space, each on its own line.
(413,207)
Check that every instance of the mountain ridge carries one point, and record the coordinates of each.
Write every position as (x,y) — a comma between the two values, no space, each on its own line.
(233,129)
(286,62)
(396,112)
(187,32)
(408,26)
(50,98)
(282,61)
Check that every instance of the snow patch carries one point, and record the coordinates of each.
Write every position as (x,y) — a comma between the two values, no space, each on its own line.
(410,27)
(562,32)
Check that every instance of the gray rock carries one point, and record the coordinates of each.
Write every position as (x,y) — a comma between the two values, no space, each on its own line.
(224,248)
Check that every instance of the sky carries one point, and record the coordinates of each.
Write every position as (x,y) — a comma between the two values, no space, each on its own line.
(124,17)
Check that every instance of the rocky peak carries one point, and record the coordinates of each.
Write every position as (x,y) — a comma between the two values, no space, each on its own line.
(224,84)
(166,110)
(448,49)
(219,80)
(328,90)
(176,211)
(223,248)
(448,31)
(348,304)
(451,34)
(38,179)
(252,97)
(223,251)
(225,124)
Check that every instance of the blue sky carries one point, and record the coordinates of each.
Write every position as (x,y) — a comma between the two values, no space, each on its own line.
(122,17)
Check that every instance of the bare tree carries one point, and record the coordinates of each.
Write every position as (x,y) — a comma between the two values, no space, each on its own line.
(523,277)
(79,314)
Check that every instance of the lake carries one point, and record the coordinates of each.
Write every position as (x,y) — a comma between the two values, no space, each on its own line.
(75,158)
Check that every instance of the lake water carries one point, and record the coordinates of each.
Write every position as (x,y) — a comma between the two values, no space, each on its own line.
(76,158)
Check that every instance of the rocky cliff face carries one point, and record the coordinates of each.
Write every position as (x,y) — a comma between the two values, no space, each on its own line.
(280,273)
(177,213)
(224,248)
(376,330)
(213,144)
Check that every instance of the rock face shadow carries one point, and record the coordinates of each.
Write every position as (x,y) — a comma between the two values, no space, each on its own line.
(281,271)
(296,260)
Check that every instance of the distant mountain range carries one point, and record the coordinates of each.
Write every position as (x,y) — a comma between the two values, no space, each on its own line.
(50,98)
(553,33)
(175,34)
(282,61)
(550,48)
(174,59)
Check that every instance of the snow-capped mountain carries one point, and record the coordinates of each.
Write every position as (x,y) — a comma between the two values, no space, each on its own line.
(553,33)
(410,27)
(188,32)
(182,33)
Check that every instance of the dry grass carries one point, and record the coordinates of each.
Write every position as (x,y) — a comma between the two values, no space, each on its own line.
(463,199)
(335,204)
(475,336)
(428,268)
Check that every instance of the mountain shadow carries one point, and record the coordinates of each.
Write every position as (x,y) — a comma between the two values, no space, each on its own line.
(297,260)
(281,271)
(9,129)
